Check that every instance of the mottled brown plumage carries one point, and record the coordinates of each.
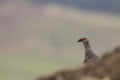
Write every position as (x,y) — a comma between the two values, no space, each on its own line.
(90,56)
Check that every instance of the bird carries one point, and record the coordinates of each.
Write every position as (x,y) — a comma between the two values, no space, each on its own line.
(90,56)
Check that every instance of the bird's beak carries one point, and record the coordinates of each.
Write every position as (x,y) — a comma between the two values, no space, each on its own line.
(79,40)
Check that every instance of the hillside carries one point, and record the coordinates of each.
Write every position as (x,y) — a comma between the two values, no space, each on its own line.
(111,6)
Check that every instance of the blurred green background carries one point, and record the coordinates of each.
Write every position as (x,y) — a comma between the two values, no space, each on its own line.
(39,39)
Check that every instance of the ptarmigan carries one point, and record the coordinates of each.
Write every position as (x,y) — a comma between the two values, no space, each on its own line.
(90,56)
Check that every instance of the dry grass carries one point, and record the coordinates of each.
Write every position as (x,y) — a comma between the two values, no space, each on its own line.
(107,68)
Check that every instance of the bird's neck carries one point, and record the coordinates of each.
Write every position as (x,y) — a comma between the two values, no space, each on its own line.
(87,47)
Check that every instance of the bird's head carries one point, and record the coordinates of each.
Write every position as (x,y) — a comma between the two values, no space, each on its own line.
(83,39)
